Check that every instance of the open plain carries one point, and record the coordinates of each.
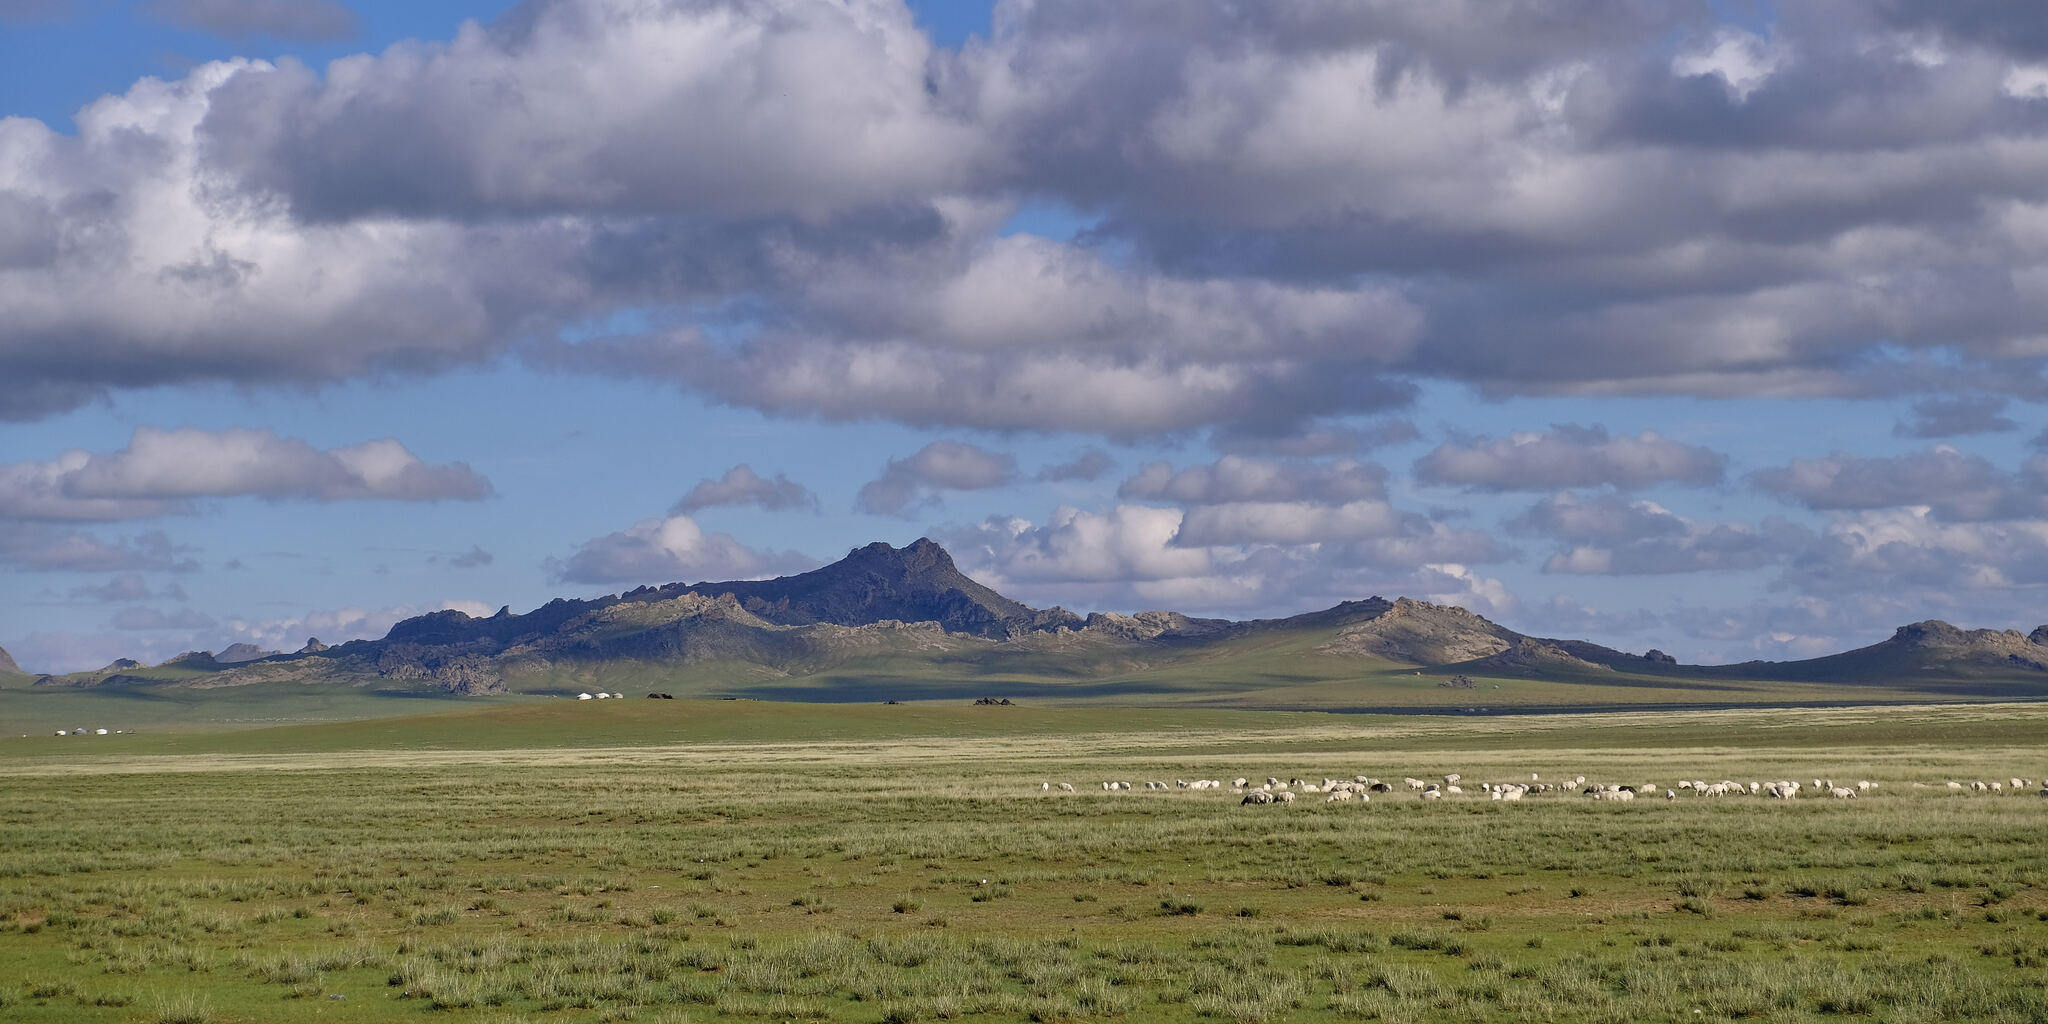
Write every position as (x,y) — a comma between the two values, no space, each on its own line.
(670,861)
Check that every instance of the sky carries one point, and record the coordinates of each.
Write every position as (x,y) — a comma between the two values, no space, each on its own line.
(1714,327)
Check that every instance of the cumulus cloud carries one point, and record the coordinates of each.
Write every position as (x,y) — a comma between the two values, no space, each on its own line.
(1954,485)
(1089,465)
(1912,550)
(1297,210)
(1311,440)
(1955,417)
(742,486)
(162,470)
(1025,333)
(1284,522)
(1611,535)
(1238,478)
(1568,456)
(1131,557)
(751,106)
(916,480)
(675,549)
(311,21)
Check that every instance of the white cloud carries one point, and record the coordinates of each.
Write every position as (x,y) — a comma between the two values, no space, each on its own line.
(742,486)
(917,479)
(1239,478)
(1285,522)
(161,470)
(669,550)
(1742,60)
(1568,456)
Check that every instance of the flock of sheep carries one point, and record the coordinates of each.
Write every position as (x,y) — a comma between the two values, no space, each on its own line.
(1362,788)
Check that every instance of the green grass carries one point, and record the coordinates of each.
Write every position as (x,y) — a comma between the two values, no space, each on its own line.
(720,861)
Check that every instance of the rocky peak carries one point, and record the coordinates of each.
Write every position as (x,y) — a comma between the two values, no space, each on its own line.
(1936,634)
(7,662)
(1421,633)
(237,653)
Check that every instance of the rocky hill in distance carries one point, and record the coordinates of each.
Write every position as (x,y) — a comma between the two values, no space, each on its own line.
(887,622)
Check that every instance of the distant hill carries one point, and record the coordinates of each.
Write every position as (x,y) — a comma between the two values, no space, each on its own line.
(7,665)
(905,622)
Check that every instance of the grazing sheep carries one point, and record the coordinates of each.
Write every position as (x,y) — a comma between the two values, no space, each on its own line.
(1338,796)
(1381,787)
(1256,796)
(1284,797)
(1451,778)
(1240,782)
(1670,794)
(1432,794)
(1065,787)
(1841,792)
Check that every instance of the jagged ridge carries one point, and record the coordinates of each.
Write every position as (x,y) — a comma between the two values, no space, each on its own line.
(914,601)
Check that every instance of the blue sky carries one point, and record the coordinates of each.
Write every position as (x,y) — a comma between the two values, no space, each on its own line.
(1710,328)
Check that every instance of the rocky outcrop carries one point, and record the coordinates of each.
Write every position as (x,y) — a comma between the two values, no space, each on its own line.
(235,654)
(7,664)
(1421,633)
(1947,644)
(1530,656)
(1156,625)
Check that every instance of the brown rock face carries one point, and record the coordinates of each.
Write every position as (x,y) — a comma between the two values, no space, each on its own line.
(1421,633)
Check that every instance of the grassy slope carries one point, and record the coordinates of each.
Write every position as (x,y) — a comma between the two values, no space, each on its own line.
(1283,669)
(814,731)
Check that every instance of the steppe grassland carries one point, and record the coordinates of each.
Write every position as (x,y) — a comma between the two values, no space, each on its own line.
(930,878)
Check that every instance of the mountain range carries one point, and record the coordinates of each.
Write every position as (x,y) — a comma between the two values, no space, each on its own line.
(887,622)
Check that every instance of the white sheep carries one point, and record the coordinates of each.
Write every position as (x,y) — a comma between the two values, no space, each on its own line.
(1065,787)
